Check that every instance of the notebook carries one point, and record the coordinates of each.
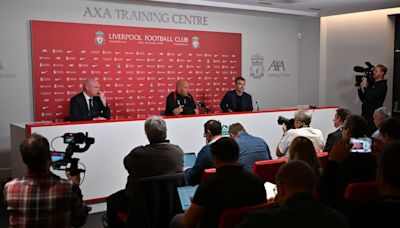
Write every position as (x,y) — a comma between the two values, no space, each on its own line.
(270,189)
(186,194)
(189,159)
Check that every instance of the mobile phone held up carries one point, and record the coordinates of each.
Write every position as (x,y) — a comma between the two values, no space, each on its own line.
(361,145)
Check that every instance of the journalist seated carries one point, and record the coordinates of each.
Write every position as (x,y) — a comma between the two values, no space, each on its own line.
(302,120)
(42,199)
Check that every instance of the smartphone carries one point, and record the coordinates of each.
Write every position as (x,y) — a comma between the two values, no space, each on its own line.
(361,145)
(57,156)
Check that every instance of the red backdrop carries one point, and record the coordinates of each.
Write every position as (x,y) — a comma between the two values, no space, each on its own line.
(136,67)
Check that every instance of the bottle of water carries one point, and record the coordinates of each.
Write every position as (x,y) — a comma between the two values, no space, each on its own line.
(225,131)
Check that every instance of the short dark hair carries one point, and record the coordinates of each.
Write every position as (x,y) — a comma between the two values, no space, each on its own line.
(239,79)
(388,163)
(225,149)
(342,113)
(213,126)
(297,175)
(35,152)
(391,127)
(236,128)
(383,68)
(356,125)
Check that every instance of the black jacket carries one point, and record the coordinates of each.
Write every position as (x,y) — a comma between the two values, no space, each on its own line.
(333,138)
(78,109)
(373,97)
(229,102)
(174,100)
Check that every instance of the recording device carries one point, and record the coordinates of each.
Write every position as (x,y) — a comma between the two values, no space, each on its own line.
(64,160)
(368,73)
(361,145)
(288,122)
(202,105)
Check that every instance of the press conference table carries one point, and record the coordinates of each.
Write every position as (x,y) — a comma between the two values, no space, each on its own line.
(114,139)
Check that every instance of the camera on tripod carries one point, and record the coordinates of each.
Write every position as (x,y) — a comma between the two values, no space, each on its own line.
(65,161)
(288,122)
(368,73)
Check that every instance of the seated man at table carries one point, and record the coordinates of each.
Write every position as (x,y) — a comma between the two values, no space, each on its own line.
(237,100)
(251,148)
(42,199)
(90,104)
(302,120)
(181,102)
(212,132)
(157,158)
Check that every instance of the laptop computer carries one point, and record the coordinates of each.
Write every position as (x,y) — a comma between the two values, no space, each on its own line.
(186,194)
(189,159)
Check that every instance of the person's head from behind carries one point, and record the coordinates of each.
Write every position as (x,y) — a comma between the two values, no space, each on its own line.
(388,175)
(301,148)
(91,87)
(224,151)
(390,129)
(35,152)
(295,177)
(355,126)
(340,116)
(240,84)
(182,87)
(379,72)
(212,128)
(380,114)
(156,129)
(302,118)
(236,129)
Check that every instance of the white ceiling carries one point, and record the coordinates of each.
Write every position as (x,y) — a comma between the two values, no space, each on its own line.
(312,8)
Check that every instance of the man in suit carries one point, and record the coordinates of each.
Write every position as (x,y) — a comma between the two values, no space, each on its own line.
(237,100)
(90,104)
(336,136)
(181,102)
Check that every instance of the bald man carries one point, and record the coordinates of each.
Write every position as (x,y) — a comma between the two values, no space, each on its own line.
(181,102)
(90,104)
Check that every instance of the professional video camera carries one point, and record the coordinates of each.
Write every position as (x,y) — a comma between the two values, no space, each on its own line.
(368,73)
(288,122)
(66,161)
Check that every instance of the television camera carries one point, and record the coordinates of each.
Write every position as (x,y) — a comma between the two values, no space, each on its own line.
(368,73)
(67,162)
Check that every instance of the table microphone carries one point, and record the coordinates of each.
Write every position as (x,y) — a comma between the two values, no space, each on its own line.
(258,107)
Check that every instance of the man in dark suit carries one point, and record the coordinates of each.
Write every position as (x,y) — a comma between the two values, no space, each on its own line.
(237,100)
(90,104)
(336,136)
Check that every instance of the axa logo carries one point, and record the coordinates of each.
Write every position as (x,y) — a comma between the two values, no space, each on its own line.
(277,65)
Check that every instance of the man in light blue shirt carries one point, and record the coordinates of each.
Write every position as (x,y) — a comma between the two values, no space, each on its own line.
(252,148)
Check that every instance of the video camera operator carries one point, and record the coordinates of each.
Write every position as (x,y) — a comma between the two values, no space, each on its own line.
(42,199)
(302,120)
(372,94)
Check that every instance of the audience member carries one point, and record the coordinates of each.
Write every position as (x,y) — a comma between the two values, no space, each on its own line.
(90,104)
(237,100)
(380,114)
(212,132)
(230,187)
(303,149)
(297,190)
(336,136)
(42,199)
(181,102)
(302,120)
(157,158)
(390,130)
(251,148)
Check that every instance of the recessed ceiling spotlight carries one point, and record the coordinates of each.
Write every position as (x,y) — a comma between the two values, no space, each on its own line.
(316,9)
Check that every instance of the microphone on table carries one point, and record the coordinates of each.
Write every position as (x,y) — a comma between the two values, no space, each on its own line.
(202,105)
(258,106)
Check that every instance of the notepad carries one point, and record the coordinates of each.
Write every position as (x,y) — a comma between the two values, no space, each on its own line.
(186,194)
(270,189)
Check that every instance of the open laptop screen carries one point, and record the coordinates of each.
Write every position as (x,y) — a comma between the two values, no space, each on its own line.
(189,159)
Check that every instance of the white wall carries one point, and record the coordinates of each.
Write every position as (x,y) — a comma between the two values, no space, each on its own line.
(270,35)
(349,40)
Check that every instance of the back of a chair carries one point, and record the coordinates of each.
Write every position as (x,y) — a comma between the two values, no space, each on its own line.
(267,169)
(156,201)
(232,217)
(362,191)
(323,159)
(208,173)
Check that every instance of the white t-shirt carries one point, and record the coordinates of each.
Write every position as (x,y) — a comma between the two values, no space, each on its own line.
(314,135)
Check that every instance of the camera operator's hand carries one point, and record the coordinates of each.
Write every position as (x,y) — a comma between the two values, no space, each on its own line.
(76,179)
(364,82)
(284,128)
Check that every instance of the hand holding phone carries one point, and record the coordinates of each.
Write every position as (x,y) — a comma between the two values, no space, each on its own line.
(361,145)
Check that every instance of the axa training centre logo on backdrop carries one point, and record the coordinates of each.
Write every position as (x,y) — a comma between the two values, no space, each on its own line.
(257,66)
(99,38)
(195,42)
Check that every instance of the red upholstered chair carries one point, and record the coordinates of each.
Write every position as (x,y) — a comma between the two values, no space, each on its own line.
(208,173)
(362,191)
(267,169)
(231,217)
(323,158)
